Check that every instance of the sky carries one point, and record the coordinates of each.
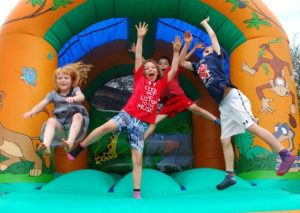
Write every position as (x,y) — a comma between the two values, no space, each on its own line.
(286,11)
(288,14)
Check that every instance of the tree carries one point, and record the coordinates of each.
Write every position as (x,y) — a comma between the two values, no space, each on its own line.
(56,4)
(295,55)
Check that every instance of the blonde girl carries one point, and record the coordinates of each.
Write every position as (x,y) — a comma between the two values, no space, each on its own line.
(70,118)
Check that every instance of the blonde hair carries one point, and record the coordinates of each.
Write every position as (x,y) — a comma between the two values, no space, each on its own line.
(77,71)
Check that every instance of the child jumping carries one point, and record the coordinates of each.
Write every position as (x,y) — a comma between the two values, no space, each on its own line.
(173,99)
(68,115)
(141,108)
(234,106)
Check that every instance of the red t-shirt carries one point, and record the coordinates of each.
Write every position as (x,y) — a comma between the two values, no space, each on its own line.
(142,104)
(173,87)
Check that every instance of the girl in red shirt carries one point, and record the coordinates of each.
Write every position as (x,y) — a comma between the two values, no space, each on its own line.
(141,108)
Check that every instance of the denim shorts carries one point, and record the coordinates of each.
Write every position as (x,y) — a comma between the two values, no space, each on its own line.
(134,127)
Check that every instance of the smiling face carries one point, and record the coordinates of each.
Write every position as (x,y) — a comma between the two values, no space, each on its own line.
(207,51)
(63,82)
(151,71)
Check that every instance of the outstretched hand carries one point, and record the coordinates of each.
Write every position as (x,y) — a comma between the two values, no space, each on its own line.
(199,45)
(177,43)
(188,37)
(29,114)
(141,29)
(132,48)
(205,21)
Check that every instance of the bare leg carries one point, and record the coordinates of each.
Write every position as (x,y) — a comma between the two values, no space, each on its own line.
(267,136)
(74,131)
(229,179)
(228,154)
(49,134)
(194,108)
(149,131)
(96,134)
(136,171)
(151,127)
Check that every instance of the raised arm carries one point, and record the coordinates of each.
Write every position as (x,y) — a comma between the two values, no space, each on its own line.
(175,61)
(36,109)
(198,45)
(182,58)
(141,29)
(213,37)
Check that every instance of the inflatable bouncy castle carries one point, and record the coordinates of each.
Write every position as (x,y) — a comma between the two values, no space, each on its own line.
(183,158)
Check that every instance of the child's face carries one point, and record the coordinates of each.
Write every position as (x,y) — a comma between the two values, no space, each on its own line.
(63,81)
(150,71)
(163,64)
(207,51)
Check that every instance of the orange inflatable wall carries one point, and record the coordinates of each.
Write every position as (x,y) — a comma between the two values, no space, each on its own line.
(260,66)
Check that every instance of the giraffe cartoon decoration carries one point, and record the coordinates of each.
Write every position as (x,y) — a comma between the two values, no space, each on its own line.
(110,151)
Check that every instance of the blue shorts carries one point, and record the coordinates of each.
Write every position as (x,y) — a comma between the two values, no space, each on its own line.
(134,127)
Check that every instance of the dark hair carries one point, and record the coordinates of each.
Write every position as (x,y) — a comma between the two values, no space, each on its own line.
(165,57)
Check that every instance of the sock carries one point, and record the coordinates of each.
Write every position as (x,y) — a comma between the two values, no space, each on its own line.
(137,193)
(283,153)
(75,152)
(218,122)
(228,181)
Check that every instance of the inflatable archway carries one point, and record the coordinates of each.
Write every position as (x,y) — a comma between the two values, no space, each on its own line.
(38,36)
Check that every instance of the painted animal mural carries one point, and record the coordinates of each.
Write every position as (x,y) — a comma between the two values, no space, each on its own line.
(17,147)
(110,151)
(283,132)
(278,83)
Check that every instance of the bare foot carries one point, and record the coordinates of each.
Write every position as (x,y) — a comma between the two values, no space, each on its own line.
(67,146)
(43,148)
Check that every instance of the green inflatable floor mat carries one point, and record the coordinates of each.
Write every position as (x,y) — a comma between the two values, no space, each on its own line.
(188,191)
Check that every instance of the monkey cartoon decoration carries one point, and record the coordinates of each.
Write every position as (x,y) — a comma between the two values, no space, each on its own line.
(284,133)
(278,84)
